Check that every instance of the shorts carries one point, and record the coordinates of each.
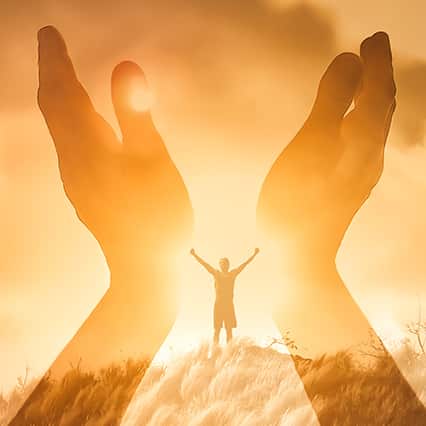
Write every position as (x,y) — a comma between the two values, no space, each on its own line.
(224,315)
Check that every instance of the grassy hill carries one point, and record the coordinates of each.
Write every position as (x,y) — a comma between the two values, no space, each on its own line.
(240,384)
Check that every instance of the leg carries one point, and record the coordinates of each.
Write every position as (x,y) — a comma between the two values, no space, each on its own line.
(228,334)
(230,322)
(216,335)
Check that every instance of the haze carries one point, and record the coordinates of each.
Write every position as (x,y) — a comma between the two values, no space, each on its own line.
(231,84)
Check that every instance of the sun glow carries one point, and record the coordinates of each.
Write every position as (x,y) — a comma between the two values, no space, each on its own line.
(220,232)
(141,98)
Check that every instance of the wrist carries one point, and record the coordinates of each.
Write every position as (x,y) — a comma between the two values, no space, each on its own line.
(310,244)
(139,273)
(146,290)
(312,302)
(307,261)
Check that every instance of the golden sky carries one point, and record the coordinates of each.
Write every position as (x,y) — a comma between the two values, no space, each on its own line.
(233,82)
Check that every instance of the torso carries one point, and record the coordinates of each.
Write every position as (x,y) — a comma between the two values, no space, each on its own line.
(224,284)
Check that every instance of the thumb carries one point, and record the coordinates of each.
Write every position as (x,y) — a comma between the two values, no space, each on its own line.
(131,99)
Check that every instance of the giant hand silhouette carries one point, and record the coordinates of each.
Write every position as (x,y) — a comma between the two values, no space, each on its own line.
(130,195)
(326,173)
(308,200)
(132,198)
(316,186)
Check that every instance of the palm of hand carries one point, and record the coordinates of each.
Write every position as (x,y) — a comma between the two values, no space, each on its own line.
(326,173)
(123,198)
(130,195)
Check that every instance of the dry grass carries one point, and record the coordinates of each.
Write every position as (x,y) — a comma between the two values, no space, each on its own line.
(240,384)
(347,394)
(79,398)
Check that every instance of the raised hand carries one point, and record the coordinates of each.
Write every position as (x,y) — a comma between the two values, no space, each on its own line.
(129,194)
(132,198)
(307,202)
(326,173)
(316,186)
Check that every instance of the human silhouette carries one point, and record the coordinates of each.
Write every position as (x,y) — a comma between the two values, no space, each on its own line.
(224,282)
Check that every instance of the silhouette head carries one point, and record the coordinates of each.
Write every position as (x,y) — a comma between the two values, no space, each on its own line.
(224,264)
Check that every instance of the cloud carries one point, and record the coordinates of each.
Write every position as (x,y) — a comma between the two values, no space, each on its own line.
(410,117)
(209,54)
(211,43)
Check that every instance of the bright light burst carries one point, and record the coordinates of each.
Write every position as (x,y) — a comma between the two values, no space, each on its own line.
(141,98)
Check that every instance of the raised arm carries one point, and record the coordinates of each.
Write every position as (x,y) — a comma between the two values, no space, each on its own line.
(203,262)
(243,265)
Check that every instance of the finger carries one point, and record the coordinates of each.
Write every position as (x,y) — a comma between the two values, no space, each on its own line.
(59,89)
(376,101)
(131,98)
(336,90)
(388,121)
